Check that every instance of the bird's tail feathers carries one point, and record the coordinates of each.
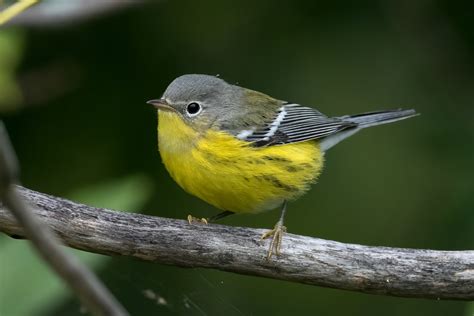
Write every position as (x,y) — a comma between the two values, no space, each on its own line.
(364,120)
(369,119)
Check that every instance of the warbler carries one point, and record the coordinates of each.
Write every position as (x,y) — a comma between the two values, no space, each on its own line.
(243,151)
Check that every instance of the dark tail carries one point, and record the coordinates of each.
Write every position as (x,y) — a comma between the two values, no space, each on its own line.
(380,117)
(364,120)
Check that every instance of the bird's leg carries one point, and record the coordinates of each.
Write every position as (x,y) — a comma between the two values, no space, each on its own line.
(211,219)
(277,234)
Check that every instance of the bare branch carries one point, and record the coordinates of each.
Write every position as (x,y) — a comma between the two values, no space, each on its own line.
(92,292)
(15,9)
(63,13)
(376,270)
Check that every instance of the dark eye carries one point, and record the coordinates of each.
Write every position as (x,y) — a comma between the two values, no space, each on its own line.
(193,108)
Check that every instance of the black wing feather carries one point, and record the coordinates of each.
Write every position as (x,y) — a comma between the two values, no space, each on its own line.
(296,123)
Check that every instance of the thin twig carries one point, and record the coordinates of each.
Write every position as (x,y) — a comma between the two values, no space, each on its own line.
(15,9)
(63,13)
(376,270)
(82,281)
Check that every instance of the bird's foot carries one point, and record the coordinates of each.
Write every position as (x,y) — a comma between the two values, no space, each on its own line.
(277,236)
(192,219)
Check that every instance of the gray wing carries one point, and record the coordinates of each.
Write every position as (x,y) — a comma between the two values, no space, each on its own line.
(294,123)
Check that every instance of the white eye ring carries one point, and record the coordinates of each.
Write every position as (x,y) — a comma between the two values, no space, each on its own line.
(193,109)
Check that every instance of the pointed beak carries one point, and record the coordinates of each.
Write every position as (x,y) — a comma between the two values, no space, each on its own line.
(161,104)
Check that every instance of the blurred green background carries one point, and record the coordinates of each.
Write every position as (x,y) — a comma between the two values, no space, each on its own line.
(72,95)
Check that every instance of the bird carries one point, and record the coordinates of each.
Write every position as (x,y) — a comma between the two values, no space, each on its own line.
(244,151)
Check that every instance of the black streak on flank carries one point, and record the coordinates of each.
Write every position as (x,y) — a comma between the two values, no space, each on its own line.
(277,183)
(294,169)
(276,158)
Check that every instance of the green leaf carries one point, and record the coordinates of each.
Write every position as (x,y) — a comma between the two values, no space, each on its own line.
(470,309)
(11,48)
(129,193)
(27,285)
(26,280)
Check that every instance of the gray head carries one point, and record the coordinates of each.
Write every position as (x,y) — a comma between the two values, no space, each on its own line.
(202,88)
(204,101)
(199,99)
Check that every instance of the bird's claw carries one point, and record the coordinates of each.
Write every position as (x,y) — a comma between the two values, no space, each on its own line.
(192,219)
(277,236)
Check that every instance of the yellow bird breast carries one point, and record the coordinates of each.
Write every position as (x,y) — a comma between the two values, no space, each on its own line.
(231,174)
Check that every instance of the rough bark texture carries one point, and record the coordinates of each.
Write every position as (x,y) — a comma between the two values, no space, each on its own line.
(80,279)
(376,270)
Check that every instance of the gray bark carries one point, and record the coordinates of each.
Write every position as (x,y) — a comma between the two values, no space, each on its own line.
(376,270)
(92,292)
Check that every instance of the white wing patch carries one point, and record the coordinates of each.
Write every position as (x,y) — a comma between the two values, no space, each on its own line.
(275,124)
(294,123)
(244,134)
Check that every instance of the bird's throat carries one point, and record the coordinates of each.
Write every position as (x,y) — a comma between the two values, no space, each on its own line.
(174,135)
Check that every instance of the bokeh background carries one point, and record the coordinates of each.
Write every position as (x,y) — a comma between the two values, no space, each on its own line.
(73,86)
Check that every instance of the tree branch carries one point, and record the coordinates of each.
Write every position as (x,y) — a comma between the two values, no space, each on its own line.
(376,270)
(15,9)
(82,281)
(61,13)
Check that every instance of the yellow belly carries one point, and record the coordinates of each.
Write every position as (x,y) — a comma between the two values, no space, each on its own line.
(232,175)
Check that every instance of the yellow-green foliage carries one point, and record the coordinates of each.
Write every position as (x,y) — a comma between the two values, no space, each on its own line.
(10,54)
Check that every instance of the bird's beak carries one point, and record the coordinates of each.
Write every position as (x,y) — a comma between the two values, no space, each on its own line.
(161,104)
